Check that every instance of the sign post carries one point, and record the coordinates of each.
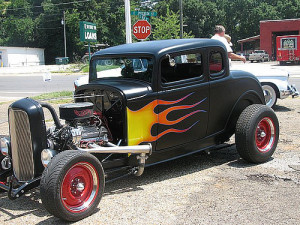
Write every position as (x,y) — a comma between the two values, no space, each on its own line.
(142,29)
(88,32)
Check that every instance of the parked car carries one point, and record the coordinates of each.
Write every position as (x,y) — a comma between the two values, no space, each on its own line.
(184,100)
(259,56)
(275,83)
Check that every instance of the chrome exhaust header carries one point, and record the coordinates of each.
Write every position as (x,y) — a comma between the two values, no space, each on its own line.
(141,150)
(111,148)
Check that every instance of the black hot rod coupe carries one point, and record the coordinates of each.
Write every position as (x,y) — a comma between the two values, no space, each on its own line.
(145,103)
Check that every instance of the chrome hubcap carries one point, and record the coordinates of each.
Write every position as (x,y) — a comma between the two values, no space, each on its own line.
(80,187)
(262,134)
(265,135)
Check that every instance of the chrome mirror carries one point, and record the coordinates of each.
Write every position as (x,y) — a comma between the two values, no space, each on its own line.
(171,60)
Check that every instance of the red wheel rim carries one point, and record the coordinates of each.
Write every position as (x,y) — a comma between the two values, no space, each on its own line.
(79,187)
(265,135)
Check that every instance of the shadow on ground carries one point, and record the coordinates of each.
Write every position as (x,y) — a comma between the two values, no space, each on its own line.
(279,108)
(286,64)
(187,165)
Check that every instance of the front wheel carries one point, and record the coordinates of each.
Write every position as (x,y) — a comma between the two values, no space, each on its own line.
(270,95)
(72,185)
(257,133)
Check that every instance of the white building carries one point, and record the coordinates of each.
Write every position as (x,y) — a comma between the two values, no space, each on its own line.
(21,56)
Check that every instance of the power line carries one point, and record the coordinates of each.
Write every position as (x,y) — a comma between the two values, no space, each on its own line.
(41,6)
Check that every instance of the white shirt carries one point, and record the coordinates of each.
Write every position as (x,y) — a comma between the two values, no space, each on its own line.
(224,41)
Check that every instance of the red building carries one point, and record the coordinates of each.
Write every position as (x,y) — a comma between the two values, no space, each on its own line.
(269,30)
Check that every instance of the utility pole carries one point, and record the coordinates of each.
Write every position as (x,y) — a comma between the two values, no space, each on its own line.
(128,22)
(65,38)
(181,19)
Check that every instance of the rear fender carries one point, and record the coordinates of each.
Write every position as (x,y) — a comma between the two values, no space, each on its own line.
(248,98)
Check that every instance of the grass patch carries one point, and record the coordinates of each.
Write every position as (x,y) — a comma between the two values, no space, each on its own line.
(74,68)
(61,101)
(53,95)
(61,97)
(85,69)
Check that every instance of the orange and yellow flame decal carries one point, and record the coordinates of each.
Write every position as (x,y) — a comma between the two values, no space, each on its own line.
(140,122)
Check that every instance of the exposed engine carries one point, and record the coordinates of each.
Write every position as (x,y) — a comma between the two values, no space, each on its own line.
(83,128)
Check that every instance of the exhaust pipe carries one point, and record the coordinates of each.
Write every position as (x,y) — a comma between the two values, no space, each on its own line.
(111,148)
(141,150)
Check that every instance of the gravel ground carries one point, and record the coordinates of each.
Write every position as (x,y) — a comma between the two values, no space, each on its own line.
(218,188)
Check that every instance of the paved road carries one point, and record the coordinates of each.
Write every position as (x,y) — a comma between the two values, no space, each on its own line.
(13,87)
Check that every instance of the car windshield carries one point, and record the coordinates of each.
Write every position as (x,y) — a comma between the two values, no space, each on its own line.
(133,68)
(259,51)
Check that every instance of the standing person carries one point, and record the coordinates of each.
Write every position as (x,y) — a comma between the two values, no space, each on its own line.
(219,35)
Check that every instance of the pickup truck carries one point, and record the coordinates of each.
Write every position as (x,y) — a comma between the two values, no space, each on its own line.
(182,100)
(259,56)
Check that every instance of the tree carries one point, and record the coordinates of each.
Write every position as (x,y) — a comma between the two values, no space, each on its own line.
(168,27)
(37,23)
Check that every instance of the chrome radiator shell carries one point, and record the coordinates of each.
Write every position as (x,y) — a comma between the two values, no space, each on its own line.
(21,145)
(28,138)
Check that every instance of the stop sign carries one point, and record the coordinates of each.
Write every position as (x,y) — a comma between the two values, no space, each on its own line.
(142,29)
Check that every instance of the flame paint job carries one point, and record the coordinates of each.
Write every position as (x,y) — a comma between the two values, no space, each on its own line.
(140,122)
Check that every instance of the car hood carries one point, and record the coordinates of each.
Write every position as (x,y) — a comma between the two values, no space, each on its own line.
(129,87)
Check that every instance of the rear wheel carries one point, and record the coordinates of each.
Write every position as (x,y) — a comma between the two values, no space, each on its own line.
(270,95)
(72,185)
(257,133)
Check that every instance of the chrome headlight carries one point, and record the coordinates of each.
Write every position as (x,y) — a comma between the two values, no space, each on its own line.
(4,146)
(47,155)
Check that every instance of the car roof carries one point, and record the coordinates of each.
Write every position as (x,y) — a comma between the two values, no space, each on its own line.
(161,47)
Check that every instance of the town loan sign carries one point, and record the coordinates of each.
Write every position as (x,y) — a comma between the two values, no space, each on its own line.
(88,31)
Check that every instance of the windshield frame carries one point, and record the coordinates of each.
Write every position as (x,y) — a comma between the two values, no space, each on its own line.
(134,56)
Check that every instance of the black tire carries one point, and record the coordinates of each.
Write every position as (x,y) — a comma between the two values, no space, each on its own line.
(251,61)
(66,188)
(257,133)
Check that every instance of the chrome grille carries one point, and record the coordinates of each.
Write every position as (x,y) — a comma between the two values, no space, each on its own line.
(21,145)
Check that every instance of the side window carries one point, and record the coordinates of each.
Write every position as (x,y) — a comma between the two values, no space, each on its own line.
(215,63)
(187,66)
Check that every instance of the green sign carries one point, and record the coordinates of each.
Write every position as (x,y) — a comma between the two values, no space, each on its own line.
(88,31)
(137,13)
(143,15)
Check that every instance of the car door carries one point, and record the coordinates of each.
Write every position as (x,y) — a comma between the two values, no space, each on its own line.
(183,99)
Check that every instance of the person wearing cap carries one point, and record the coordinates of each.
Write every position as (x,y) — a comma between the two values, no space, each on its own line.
(220,36)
